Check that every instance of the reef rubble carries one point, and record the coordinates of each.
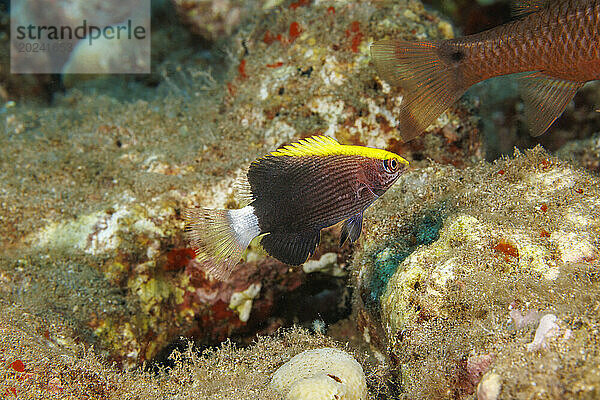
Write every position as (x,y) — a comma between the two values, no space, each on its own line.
(491,269)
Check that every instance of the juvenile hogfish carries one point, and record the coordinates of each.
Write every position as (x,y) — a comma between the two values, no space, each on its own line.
(293,193)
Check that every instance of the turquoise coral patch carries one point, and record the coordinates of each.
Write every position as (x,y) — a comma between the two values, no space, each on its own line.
(387,260)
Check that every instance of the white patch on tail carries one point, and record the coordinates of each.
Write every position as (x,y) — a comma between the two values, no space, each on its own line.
(219,237)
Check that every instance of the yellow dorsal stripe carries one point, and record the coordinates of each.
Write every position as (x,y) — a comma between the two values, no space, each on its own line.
(326,146)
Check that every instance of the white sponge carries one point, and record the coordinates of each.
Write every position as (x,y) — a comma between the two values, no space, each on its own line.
(321,374)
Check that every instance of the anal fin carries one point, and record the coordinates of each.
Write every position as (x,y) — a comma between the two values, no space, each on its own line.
(292,248)
(351,229)
(545,99)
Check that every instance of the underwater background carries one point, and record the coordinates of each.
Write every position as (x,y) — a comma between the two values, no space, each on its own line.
(476,275)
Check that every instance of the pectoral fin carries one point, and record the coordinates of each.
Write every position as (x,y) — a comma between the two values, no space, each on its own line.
(351,229)
(545,99)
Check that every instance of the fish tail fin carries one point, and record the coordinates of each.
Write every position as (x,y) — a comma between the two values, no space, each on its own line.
(219,237)
(430,74)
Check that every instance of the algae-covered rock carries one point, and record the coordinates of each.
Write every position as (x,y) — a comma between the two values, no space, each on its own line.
(40,358)
(96,183)
(304,69)
(585,152)
(450,255)
(217,19)
(93,253)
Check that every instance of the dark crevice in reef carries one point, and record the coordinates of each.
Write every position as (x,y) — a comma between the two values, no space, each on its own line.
(321,300)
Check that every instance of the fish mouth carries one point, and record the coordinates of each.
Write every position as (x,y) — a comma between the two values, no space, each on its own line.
(378,191)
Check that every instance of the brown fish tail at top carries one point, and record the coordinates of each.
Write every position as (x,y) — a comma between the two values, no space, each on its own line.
(558,42)
(430,74)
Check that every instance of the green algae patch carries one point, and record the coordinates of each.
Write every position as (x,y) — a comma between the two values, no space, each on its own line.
(385,264)
(386,261)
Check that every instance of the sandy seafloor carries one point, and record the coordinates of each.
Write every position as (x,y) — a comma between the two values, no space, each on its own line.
(476,275)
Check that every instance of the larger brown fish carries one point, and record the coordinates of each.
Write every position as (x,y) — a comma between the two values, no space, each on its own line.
(557,41)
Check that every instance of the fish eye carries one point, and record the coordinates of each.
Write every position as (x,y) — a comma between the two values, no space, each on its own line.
(390,165)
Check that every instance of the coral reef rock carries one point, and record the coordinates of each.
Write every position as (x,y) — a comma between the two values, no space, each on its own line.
(305,69)
(488,271)
(585,152)
(101,239)
(216,19)
(40,358)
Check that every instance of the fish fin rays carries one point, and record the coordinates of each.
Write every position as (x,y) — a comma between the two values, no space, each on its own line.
(218,238)
(243,191)
(310,146)
(292,248)
(351,229)
(545,99)
(520,8)
(429,74)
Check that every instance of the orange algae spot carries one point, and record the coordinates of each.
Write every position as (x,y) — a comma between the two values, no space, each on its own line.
(268,38)
(295,31)
(242,69)
(501,172)
(356,42)
(221,311)
(356,36)
(331,10)
(18,366)
(275,65)
(579,190)
(230,88)
(545,164)
(299,3)
(179,258)
(544,233)
(544,207)
(507,249)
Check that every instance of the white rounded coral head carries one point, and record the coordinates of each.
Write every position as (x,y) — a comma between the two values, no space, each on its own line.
(318,387)
(321,374)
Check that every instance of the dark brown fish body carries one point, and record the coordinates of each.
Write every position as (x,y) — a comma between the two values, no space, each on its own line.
(296,197)
(281,191)
(559,42)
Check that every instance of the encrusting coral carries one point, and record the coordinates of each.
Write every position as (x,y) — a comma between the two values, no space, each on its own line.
(514,241)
